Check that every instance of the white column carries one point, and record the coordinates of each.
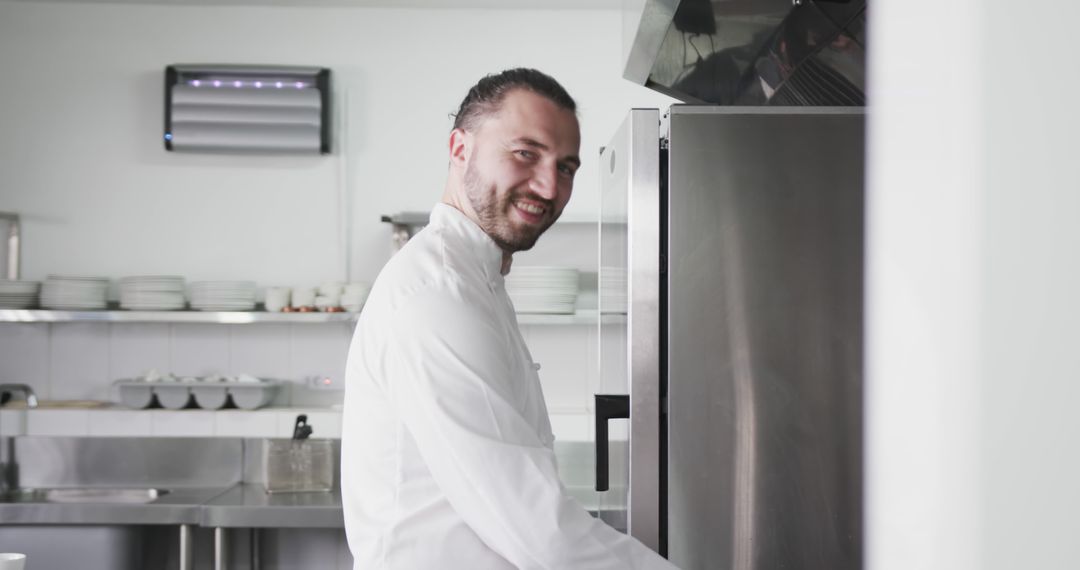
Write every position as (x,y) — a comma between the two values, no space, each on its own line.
(973,287)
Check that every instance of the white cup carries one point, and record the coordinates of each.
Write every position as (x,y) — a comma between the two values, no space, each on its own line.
(330,288)
(12,561)
(355,295)
(303,297)
(358,289)
(277,298)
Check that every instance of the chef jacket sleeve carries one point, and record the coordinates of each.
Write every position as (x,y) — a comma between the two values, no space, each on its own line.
(448,367)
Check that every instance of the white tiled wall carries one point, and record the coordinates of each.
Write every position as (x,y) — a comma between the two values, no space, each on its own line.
(24,354)
(265,349)
(57,422)
(120,422)
(566,369)
(189,423)
(79,361)
(241,423)
(130,423)
(135,348)
(199,350)
(319,351)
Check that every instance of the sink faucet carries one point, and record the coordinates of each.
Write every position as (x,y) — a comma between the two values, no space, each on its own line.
(28,393)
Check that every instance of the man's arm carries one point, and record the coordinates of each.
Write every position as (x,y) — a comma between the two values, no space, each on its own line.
(449,381)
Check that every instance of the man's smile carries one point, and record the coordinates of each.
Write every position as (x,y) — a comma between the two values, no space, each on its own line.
(530,211)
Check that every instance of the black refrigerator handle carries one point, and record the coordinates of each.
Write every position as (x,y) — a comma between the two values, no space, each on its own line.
(608,407)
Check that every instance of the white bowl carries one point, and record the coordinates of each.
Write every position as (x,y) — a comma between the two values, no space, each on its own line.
(210,396)
(173,395)
(252,395)
(136,394)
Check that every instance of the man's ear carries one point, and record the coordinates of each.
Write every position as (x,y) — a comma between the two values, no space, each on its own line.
(460,147)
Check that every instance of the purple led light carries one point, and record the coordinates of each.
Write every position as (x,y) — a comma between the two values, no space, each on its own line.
(279,85)
(299,85)
(258,84)
(217,84)
(236,84)
(196,83)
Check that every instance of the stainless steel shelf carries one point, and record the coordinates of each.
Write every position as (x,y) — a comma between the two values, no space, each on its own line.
(220,317)
(247,317)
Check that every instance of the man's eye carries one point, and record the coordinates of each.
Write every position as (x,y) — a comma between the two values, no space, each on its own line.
(566,169)
(525,154)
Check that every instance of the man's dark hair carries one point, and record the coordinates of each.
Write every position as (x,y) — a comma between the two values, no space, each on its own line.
(485,97)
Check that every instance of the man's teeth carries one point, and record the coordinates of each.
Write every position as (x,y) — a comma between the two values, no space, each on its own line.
(531,208)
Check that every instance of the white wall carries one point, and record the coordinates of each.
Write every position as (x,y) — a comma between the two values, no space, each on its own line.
(81,156)
(973,372)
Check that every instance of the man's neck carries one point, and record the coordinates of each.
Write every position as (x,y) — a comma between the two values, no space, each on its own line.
(450,199)
(507,260)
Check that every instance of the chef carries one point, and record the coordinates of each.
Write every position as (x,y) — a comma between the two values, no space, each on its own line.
(446,448)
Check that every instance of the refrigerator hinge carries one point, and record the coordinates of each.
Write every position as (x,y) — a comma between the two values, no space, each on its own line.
(664,143)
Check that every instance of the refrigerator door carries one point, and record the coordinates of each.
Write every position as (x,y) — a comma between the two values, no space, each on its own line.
(764,359)
(629,293)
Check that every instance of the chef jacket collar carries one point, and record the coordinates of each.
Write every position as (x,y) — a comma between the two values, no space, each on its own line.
(489,254)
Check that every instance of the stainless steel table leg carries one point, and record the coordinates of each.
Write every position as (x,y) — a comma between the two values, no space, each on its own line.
(221,549)
(255,549)
(186,550)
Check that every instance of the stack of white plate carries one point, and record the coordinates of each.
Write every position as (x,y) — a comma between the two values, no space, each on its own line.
(18,294)
(223,295)
(613,289)
(543,289)
(74,293)
(152,293)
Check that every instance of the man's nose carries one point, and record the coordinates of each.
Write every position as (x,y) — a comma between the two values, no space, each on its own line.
(545,181)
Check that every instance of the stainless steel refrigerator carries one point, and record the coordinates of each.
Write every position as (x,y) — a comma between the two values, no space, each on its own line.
(731,287)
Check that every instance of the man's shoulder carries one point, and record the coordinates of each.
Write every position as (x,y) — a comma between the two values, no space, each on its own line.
(434,263)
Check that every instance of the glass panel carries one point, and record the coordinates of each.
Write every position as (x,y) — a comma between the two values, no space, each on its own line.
(613,289)
(628,354)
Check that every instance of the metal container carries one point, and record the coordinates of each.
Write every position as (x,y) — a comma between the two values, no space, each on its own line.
(298,465)
(138,394)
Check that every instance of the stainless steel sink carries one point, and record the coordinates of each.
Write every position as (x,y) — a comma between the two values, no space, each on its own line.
(131,496)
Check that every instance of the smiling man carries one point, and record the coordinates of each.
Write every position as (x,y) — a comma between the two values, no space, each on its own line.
(447,457)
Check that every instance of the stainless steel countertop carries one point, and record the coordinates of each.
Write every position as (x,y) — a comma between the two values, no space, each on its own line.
(245,505)
(240,506)
(249,506)
(179,506)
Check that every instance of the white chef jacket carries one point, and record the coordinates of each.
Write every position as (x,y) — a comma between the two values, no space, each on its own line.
(446,450)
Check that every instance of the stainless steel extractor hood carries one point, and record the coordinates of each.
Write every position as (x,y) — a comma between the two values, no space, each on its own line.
(753,52)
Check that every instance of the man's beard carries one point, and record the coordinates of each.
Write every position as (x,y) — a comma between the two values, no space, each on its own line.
(493,213)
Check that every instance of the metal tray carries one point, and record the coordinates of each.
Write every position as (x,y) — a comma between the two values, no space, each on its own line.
(139,394)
